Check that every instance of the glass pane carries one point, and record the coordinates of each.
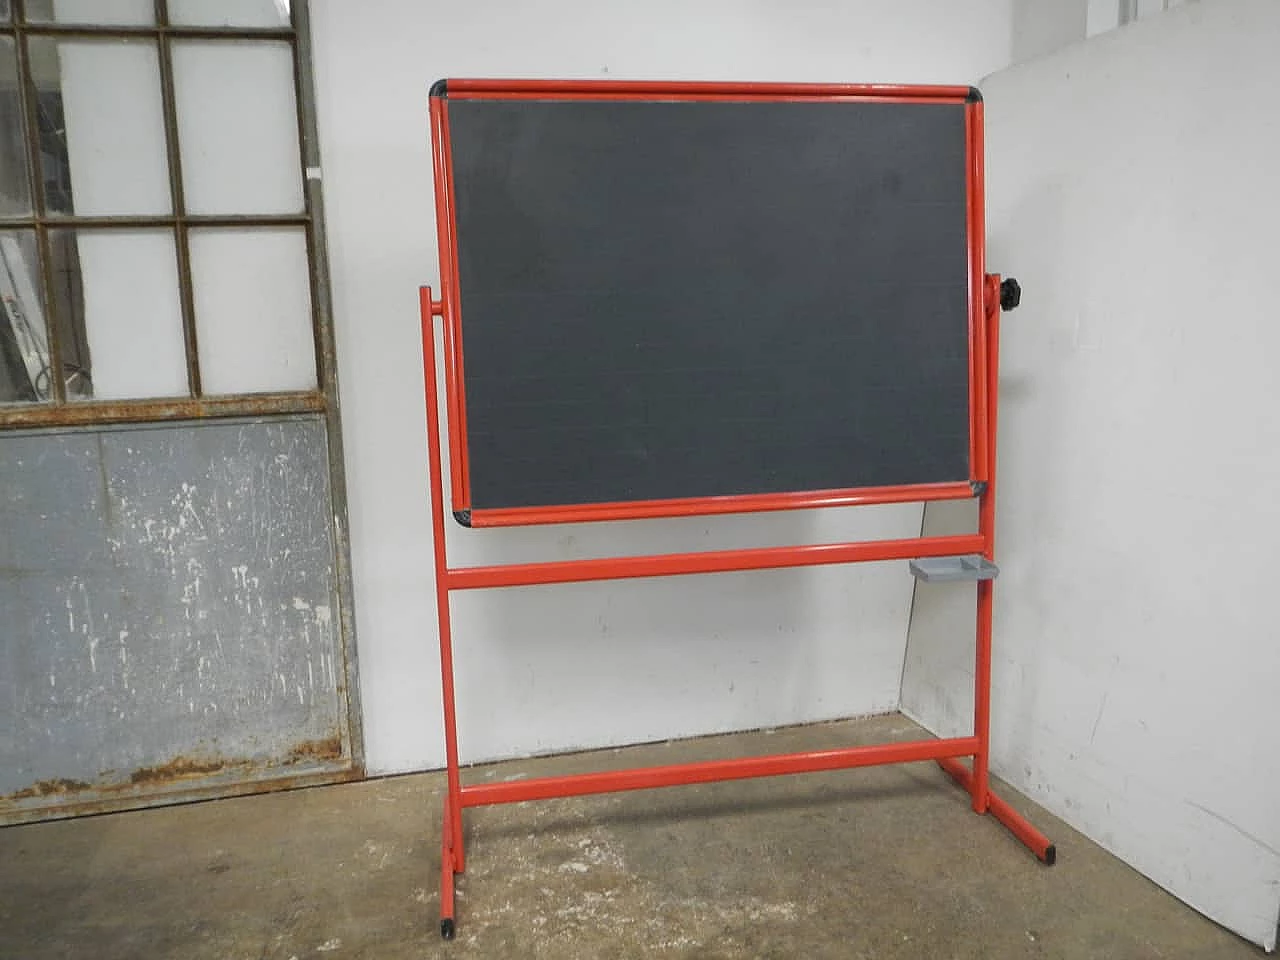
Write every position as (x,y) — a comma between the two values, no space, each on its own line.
(238,127)
(4,10)
(102,127)
(24,342)
(229,13)
(120,290)
(253,310)
(119,12)
(15,192)
(46,79)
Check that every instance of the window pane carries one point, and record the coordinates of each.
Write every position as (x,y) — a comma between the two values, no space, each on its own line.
(238,127)
(102,127)
(4,9)
(24,342)
(127,12)
(253,310)
(46,81)
(66,310)
(15,194)
(230,13)
(125,312)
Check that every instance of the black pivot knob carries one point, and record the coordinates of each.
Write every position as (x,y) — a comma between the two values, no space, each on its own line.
(1010,294)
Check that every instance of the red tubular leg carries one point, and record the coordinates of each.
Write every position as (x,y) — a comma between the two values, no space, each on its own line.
(454,801)
(987,529)
(982,695)
(447,909)
(1018,825)
(977,781)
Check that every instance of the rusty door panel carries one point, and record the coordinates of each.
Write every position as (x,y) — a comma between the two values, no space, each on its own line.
(171,624)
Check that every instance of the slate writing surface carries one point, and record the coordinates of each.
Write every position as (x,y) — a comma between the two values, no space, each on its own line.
(662,300)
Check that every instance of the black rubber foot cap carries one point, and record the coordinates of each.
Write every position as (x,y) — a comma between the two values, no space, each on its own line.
(1051,856)
(446,928)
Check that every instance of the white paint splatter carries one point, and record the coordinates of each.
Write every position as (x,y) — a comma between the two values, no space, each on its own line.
(329,946)
(93,654)
(300,604)
(324,615)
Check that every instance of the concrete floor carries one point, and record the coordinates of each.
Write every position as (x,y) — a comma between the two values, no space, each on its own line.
(878,863)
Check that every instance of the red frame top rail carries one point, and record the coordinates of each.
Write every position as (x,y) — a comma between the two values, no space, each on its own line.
(645,90)
(700,90)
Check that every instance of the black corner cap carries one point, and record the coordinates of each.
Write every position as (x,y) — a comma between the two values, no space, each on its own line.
(979,487)
(1010,294)
(1051,856)
(975,96)
(463,517)
(446,928)
(440,88)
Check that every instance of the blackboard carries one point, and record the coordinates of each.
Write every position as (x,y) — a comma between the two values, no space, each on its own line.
(663,299)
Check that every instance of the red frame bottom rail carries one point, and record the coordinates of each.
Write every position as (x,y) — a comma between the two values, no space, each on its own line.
(947,752)
(714,561)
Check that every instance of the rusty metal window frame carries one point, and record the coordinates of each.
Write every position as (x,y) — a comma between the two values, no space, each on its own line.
(59,414)
(57,411)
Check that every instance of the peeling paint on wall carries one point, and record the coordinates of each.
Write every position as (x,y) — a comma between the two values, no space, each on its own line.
(168,595)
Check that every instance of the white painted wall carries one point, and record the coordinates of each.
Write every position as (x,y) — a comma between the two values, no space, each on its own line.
(1043,26)
(553,668)
(1106,15)
(1132,187)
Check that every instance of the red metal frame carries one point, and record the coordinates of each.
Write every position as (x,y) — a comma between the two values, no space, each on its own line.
(615,90)
(984,292)
(447,236)
(707,506)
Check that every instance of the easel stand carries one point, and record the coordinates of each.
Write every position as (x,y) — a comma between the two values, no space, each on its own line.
(948,752)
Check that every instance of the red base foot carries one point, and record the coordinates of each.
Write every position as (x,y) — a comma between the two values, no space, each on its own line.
(1033,839)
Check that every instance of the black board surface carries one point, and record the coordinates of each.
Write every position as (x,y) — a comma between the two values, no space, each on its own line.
(662,300)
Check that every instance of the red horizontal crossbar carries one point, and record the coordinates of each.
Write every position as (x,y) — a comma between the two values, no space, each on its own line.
(704,506)
(716,561)
(712,771)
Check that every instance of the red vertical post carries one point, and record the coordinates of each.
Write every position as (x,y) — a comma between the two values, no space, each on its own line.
(453,802)
(987,530)
(987,342)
